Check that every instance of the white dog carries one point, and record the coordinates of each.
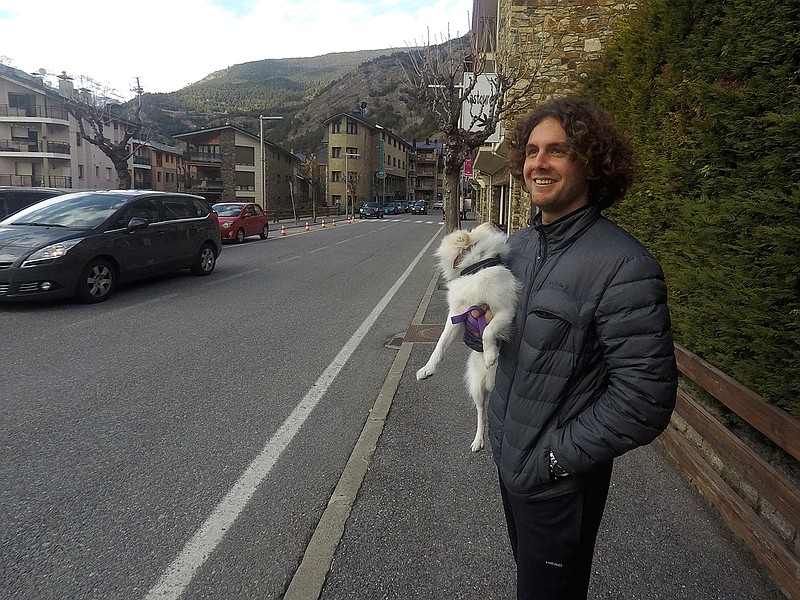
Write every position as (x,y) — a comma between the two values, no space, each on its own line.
(475,278)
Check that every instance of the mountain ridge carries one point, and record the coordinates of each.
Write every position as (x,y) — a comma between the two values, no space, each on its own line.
(304,91)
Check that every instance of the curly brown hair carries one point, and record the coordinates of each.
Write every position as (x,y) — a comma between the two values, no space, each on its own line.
(594,139)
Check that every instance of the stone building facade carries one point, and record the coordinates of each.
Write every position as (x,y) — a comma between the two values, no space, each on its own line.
(560,40)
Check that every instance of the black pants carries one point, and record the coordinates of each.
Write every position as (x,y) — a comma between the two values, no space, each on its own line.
(553,540)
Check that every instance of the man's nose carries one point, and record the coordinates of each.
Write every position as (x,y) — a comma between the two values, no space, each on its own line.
(538,161)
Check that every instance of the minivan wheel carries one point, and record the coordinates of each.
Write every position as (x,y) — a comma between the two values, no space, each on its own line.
(96,282)
(264,232)
(205,262)
(240,236)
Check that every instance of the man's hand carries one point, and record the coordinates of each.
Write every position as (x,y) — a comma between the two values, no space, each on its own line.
(487,314)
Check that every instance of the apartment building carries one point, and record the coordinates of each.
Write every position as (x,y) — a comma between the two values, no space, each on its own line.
(362,161)
(40,143)
(426,171)
(225,164)
(157,166)
(35,133)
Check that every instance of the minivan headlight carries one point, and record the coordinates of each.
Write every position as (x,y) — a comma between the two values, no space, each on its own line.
(50,252)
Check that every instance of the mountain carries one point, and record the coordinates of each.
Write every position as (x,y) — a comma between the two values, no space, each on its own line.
(304,91)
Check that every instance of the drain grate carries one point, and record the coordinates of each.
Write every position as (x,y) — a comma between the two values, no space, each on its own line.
(424,333)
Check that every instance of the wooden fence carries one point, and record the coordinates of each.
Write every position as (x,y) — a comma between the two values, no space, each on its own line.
(759,502)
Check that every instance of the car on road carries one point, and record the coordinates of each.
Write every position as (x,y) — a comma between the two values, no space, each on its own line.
(391,208)
(419,208)
(85,244)
(13,199)
(370,210)
(238,220)
(438,204)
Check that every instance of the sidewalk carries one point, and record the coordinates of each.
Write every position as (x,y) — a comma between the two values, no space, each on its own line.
(427,521)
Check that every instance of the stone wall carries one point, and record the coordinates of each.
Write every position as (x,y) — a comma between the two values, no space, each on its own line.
(560,40)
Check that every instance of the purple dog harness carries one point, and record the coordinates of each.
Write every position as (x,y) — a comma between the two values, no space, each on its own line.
(473,326)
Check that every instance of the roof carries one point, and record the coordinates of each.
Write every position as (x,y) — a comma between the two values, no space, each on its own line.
(159,146)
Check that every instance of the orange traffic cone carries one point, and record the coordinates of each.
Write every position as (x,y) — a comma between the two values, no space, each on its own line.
(323,223)
(334,223)
(307,228)
(349,220)
(283,230)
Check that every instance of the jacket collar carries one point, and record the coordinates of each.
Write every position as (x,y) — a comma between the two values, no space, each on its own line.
(565,230)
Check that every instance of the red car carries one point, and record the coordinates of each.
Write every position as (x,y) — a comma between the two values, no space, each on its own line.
(238,220)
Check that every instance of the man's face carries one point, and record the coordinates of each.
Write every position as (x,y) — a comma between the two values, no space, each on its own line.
(557,184)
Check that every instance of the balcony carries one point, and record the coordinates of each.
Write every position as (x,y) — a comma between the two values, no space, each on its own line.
(54,113)
(211,185)
(36,181)
(28,146)
(205,157)
(141,161)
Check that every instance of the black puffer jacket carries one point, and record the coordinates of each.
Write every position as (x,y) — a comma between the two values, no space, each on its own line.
(590,371)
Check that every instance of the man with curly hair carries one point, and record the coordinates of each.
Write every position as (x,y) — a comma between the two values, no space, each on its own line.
(590,372)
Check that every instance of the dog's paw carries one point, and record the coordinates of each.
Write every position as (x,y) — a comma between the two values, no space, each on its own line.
(490,354)
(477,445)
(424,373)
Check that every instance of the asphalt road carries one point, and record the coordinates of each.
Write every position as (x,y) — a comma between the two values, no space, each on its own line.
(156,440)
(215,437)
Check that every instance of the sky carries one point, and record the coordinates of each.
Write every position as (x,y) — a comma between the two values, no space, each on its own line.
(169,44)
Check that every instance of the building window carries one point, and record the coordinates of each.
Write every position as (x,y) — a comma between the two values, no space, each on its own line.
(336,175)
(245,181)
(352,126)
(336,152)
(78,139)
(108,173)
(336,127)
(80,171)
(352,153)
(336,199)
(245,155)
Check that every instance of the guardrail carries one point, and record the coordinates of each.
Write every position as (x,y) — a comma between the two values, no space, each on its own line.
(304,213)
(759,502)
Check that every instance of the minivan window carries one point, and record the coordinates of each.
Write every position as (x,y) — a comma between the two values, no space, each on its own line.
(74,211)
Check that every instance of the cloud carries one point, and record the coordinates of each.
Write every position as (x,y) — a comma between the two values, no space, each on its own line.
(171,43)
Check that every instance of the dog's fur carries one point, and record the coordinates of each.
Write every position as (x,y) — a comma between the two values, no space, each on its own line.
(495,287)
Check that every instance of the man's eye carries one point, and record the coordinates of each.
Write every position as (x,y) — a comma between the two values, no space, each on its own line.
(531,151)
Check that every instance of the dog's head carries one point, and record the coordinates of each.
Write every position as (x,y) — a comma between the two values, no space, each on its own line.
(462,248)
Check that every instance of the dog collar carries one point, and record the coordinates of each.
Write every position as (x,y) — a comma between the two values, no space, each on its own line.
(489,262)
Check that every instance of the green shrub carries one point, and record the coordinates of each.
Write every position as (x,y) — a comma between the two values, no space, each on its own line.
(710,96)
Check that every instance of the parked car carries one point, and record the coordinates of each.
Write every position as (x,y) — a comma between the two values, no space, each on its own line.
(238,220)
(13,199)
(85,244)
(406,206)
(419,208)
(438,204)
(370,210)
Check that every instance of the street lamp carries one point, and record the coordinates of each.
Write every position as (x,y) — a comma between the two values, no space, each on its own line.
(261,119)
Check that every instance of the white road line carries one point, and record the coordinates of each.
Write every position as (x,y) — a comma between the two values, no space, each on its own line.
(178,575)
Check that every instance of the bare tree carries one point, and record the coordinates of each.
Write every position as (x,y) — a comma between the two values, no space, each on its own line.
(472,86)
(94,110)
